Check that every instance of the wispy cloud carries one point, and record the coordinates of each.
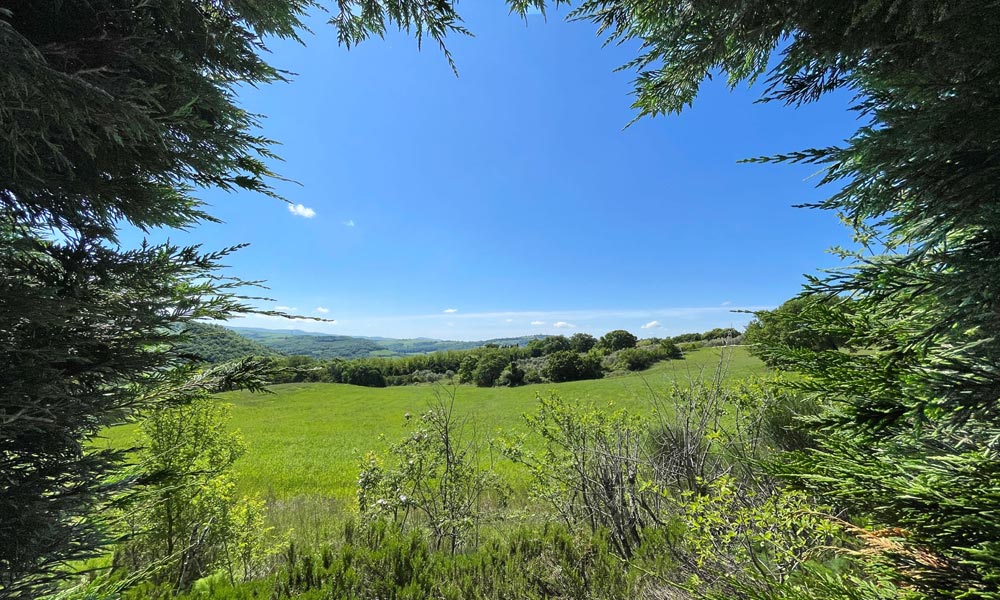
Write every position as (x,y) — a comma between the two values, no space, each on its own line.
(652,325)
(300,210)
(322,310)
(563,325)
(493,324)
(727,303)
(349,223)
(450,310)
(541,317)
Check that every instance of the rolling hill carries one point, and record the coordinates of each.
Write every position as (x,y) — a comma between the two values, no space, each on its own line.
(324,346)
(214,343)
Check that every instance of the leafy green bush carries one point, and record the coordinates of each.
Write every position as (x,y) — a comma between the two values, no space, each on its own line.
(359,373)
(512,376)
(567,365)
(616,340)
(186,520)
(432,479)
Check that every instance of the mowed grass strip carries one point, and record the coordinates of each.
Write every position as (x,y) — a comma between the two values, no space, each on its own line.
(307,439)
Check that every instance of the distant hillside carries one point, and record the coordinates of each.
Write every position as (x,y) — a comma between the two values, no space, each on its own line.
(214,343)
(322,346)
(300,343)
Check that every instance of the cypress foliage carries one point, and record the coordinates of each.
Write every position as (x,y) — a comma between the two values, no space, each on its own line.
(112,112)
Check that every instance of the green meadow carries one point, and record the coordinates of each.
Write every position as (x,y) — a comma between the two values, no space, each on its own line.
(306,439)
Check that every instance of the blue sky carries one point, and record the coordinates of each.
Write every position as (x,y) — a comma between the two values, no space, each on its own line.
(511,200)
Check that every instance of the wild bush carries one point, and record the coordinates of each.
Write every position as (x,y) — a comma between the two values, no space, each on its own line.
(432,479)
(567,365)
(186,520)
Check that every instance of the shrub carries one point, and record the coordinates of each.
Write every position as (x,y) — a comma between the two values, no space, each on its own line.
(618,339)
(582,342)
(488,369)
(635,359)
(362,374)
(434,479)
(567,365)
(512,376)
(187,521)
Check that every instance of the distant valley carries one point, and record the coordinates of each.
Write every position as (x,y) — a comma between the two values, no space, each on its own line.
(216,343)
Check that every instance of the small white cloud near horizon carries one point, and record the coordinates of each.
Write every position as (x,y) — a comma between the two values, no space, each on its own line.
(563,325)
(536,323)
(652,325)
(450,310)
(322,310)
(300,210)
(726,303)
(349,223)
(286,308)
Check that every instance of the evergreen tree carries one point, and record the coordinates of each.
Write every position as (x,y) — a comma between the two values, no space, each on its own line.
(111,112)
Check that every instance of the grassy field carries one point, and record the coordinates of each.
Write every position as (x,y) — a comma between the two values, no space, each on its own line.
(305,440)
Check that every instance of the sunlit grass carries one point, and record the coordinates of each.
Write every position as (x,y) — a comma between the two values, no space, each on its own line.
(305,440)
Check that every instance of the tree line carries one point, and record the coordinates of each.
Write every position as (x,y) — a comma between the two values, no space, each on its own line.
(550,359)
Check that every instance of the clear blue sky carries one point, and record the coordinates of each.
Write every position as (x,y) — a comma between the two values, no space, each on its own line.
(512,196)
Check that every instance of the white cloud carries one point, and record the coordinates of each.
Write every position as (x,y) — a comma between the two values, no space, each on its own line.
(301,210)
(508,320)
(563,325)
(652,325)
(726,303)
(286,308)
(349,223)
(538,322)
(450,310)
(322,310)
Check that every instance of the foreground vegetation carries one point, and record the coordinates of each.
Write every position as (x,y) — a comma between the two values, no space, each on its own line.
(447,508)
(307,438)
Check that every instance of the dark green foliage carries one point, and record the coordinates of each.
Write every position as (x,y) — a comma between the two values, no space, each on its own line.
(720,333)
(362,374)
(513,375)
(130,106)
(85,341)
(111,111)
(582,342)
(618,339)
(216,344)
(488,368)
(481,366)
(638,359)
(567,365)
(530,563)
(789,327)
(548,345)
